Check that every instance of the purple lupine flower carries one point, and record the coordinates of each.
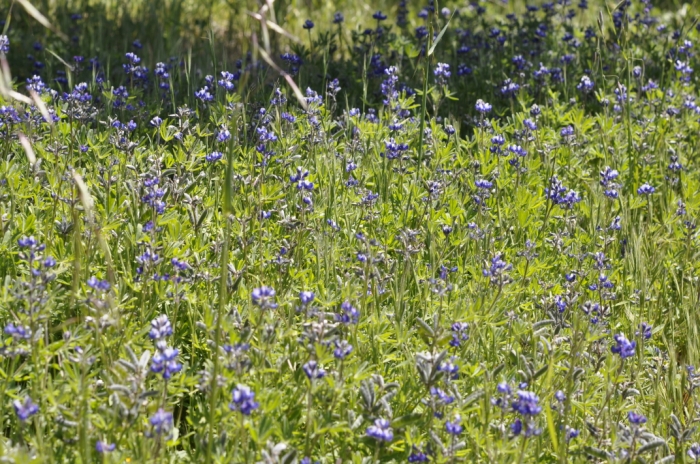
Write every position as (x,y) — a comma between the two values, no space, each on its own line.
(101,447)
(264,297)
(442,397)
(313,371)
(162,421)
(381,430)
(517,150)
(214,156)
(417,455)
(95,283)
(527,404)
(644,331)
(459,334)
(160,328)
(226,81)
(442,73)
(483,107)
(455,427)
(379,16)
(636,419)
(25,408)
(504,388)
(243,400)
(560,195)
(307,297)
(27,242)
(449,368)
(18,332)
(586,85)
(498,269)
(342,349)
(567,131)
(516,427)
(623,347)
(204,95)
(4,44)
(645,189)
(165,362)
(223,135)
(348,313)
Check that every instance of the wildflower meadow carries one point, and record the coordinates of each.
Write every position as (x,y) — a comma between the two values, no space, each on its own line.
(306,231)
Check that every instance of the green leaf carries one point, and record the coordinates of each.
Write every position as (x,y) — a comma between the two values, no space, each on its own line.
(439,37)
(405,420)
(596,452)
(651,446)
(667,460)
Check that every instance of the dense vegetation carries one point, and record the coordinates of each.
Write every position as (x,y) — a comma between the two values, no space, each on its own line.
(430,233)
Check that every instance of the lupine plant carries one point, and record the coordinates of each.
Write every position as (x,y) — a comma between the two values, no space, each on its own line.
(417,232)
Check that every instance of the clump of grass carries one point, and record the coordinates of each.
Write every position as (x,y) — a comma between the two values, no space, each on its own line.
(454,233)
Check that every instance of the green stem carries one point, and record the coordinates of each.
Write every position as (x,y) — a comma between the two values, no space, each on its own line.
(223,293)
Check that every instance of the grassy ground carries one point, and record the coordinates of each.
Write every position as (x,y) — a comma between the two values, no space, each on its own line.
(466,237)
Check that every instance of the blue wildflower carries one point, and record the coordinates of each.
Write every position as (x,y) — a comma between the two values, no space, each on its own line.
(442,73)
(636,419)
(644,331)
(264,297)
(243,400)
(527,404)
(25,408)
(381,430)
(223,135)
(379,16)
(204,95)
(645,189)
(342,349)
(459,334)
(214,156)
(417,455)
(160,328)
(101,285)
(348,313)
(18,332)
(567,131)
(313,371)
(165,361)
(482,107)
(4,44)
(306,297)
(586,85)
(498,269)
(161,421)
(623,347)
(102,447)
(516,427)
(454,427)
